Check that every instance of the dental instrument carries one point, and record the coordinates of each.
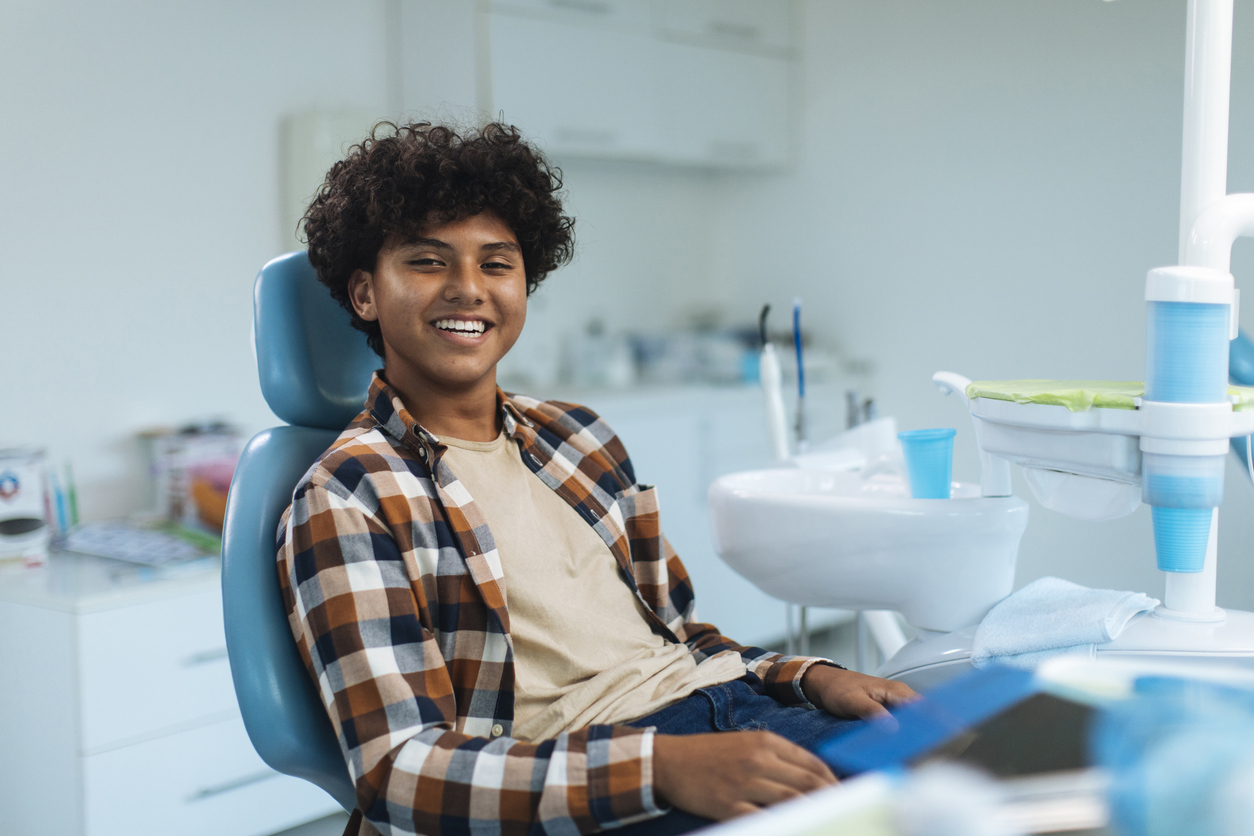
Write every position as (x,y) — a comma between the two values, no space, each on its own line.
(800,427)
(802,437)
(769,373)
(772,388)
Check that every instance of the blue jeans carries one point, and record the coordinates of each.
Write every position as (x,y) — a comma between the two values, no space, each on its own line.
(734,706)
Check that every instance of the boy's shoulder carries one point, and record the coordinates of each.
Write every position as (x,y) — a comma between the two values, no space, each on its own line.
(555,415)
(580,428)
(361,451)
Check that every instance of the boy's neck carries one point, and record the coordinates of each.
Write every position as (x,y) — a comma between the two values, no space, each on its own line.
(470,414)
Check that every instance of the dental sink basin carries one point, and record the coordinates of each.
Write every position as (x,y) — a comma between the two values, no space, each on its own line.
(832,539)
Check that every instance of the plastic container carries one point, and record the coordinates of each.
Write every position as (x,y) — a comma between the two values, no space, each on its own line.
(1182,491)
(1187,352)
(1180,538)
(929,458)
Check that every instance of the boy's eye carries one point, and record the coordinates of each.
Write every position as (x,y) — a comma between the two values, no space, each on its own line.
(497,265)
(425,262)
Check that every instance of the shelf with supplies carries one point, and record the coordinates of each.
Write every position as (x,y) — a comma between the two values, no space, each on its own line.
(118,712)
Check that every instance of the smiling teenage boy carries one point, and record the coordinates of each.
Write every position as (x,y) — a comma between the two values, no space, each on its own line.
(501,635)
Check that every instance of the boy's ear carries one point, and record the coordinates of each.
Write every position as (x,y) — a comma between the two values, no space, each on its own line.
(361,294)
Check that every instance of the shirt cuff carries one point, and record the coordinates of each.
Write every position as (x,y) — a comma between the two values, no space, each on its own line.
(613,800)
(801,672)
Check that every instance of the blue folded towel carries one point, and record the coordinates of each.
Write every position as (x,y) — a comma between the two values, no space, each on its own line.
(1049,617)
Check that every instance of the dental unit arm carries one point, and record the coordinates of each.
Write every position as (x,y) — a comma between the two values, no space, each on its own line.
(1174,444)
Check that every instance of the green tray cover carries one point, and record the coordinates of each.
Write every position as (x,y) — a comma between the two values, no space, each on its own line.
(1079,395)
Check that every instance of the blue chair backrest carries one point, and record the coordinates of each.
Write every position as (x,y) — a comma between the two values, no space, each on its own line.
(315,370)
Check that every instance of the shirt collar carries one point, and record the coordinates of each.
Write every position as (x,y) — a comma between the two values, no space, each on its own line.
(385,406)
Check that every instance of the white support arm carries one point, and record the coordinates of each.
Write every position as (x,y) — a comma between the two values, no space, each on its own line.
(1207,80)
(994,470)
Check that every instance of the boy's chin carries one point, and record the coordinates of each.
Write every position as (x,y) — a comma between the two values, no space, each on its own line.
(458,379)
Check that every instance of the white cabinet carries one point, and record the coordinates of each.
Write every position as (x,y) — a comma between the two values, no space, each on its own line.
(615,14)
(579,89)
(694,83)
(733,24)
(117,711)
(723,108)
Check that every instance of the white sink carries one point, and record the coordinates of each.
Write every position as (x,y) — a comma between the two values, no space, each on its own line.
(827,539)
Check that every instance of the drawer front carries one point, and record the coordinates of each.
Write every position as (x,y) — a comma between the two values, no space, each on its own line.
(203,782)
(152,667)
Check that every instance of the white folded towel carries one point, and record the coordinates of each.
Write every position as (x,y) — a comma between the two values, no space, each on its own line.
(1049,617)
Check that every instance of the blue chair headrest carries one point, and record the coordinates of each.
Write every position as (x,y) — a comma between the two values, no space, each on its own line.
(314,366)
(1241,360)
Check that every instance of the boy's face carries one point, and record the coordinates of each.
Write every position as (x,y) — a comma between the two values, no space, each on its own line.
(450,303)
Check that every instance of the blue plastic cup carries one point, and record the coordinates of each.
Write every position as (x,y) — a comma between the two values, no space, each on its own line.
(1181,536)
(929,461)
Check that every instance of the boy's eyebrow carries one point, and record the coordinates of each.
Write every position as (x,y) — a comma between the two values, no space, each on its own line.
(433,243)
(437,244)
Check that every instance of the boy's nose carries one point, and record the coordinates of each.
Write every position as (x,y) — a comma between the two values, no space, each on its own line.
(464,285)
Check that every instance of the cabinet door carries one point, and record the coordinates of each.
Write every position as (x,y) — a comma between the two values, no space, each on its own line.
(203,782)
(581,91)
(723,108)
(620,14)
(152,667)
(731,24)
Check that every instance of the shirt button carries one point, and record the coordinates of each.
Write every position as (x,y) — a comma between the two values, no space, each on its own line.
(498,730)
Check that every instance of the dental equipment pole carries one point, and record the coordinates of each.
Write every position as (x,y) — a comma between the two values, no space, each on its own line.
(769,374)
(800,427)
(1191,316)
(776,423)
(804,644)
(1207,83)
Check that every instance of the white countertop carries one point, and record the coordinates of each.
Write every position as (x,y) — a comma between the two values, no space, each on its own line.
(77,583)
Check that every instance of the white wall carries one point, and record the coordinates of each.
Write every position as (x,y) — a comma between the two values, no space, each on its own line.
(982,186)
(139,198)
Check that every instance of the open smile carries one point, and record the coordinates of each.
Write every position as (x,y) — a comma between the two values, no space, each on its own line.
(464,331)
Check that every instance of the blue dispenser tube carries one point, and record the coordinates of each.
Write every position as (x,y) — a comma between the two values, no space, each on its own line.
(1187,355)
(1186,362)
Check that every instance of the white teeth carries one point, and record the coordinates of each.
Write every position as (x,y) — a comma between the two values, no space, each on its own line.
(461,326)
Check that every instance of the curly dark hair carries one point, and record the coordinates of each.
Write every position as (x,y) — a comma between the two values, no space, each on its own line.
(403,177)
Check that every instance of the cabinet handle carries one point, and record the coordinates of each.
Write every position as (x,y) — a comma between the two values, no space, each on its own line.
(594,6)
(238,783)
(204,657)
(736,30)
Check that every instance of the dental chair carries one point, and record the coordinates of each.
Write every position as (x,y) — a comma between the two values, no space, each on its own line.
(315,370)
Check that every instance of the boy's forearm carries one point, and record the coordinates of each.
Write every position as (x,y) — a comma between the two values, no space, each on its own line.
(586,779)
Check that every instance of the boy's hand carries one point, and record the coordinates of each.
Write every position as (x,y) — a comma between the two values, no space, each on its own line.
(727,774)
(852,694)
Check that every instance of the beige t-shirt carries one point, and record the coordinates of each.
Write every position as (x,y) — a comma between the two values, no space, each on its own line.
(583,650)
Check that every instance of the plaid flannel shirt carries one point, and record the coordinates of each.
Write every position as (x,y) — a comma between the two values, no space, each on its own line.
(396,598)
